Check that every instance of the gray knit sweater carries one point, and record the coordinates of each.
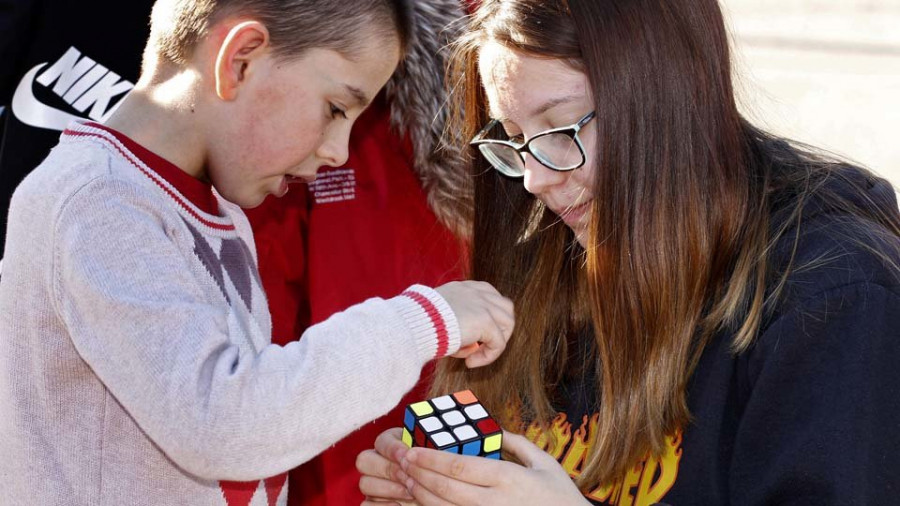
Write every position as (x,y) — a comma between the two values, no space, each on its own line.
(135,358)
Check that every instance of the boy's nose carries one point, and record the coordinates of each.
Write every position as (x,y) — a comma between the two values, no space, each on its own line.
(538,178)
(335,151)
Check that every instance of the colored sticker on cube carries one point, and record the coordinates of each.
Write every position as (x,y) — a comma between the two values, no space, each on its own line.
(456,423)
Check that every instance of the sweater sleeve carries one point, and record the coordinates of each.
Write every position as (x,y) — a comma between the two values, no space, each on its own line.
(139,317)
(822,420)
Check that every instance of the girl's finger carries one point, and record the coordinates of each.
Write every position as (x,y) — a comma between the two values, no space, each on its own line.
(465,468)
(389,445)
(430,487)
(381,489)
(425,497)
(523,450)
(372,463)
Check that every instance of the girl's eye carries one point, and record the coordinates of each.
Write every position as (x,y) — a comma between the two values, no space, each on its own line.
(518,139)
(337,112)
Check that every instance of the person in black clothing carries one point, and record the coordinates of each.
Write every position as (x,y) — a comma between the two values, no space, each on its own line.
(63,60)
(706,313)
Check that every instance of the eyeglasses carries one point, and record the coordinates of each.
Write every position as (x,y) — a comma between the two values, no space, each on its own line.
(557,149)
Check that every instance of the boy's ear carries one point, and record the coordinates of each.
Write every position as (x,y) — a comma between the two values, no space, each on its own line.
(244,44)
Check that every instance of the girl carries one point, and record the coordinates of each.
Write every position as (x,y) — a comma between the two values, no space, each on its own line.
(706,313)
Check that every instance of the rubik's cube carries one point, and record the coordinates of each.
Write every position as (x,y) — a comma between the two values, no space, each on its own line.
(455,423)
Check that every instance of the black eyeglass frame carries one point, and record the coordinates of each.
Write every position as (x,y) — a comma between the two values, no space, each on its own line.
(570,130)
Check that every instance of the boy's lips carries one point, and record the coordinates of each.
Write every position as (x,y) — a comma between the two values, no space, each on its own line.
(288,180)
(283,187)
(300,179)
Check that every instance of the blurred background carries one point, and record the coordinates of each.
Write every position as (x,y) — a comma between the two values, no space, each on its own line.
(825,72)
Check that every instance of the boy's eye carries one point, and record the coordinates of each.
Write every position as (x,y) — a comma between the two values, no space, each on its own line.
(337,112)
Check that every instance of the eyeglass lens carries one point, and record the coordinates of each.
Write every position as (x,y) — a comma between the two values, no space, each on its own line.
(557,151)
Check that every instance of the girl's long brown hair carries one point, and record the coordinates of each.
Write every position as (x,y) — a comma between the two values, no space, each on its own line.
(681,227)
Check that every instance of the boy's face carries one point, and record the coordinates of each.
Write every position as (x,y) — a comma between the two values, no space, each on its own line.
(290,118)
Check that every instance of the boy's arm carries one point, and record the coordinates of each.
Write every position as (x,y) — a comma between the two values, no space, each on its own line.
(141,318)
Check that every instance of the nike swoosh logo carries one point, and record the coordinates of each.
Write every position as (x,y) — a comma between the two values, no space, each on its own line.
(31,111)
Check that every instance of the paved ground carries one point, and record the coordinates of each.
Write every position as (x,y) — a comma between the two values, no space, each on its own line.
(825,72)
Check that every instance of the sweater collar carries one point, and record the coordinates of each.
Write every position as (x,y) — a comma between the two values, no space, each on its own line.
(198,192)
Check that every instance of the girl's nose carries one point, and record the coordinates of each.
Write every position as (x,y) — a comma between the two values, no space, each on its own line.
(539,178)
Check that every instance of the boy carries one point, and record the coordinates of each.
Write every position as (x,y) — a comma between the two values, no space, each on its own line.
(135,365)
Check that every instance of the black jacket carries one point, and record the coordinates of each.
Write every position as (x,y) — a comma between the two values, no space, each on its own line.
(61,59)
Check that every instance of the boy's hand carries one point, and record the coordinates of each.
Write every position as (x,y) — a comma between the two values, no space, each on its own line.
(486,320)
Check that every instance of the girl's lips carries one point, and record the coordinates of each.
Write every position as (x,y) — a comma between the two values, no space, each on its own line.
(573,215)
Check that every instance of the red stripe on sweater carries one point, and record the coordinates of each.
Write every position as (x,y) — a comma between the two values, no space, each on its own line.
(195,191)
(155,178)
(436,319)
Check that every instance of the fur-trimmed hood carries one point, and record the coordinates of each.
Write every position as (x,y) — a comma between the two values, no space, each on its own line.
(418,101)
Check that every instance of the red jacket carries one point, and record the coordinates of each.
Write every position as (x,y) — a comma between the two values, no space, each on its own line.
(363,230)
(370,228)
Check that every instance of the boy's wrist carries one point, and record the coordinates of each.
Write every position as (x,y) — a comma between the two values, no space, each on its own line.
(434,326)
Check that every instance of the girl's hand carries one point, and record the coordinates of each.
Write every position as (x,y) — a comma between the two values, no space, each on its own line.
(383,482)
(437,478)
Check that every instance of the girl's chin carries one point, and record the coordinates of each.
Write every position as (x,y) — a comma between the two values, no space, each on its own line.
(581,235)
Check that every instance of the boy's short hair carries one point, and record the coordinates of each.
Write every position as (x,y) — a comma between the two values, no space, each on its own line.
(176,26)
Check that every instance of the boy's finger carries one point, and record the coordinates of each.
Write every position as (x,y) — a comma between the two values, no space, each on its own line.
(505,319)
(485,288)
(490,295)
(505,305)
(495,334)
(483,357)
(492,344)
(488,290)
(466,351)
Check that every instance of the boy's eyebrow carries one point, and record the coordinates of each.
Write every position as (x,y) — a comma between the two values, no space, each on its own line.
(358,95)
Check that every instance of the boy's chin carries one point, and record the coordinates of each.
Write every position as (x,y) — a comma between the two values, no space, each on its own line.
(245,201)
(253,203)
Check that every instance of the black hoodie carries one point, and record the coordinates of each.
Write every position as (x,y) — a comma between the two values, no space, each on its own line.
(61,59)
(810,414)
